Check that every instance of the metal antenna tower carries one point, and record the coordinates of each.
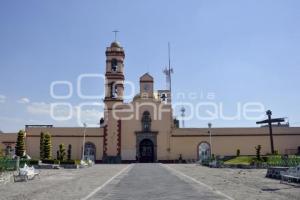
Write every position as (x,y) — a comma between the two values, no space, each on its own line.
(168,71)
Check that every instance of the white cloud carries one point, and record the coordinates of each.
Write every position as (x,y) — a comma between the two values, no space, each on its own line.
(90,114)
(39,108)
(2,99)
(23,100)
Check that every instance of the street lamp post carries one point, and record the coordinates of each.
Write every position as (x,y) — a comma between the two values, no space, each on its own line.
(83,143)
(210,144)
(182,115)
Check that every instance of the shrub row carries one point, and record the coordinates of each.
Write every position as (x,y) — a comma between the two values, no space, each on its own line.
(62,162)
(67,162)
(50,161)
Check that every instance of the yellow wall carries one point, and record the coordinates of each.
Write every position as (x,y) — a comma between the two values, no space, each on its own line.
(225,141)
(160,124)
(185,141)
(66,136)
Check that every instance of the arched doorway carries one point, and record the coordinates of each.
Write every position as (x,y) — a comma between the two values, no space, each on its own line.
(89,151)
(146,151)
(203,151)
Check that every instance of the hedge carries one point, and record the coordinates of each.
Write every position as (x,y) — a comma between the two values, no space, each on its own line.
(50,161)
(67,162)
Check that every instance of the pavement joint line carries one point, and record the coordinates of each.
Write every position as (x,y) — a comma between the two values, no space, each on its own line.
(107,182)
(198,182)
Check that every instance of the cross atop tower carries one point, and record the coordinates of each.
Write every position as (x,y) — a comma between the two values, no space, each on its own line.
(116,32)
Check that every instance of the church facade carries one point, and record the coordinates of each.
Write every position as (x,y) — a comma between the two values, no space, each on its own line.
(144,129)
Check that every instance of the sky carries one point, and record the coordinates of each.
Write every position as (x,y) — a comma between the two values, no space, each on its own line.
(226,55)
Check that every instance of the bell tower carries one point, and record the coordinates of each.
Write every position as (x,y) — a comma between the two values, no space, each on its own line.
(114,74)
(114,91)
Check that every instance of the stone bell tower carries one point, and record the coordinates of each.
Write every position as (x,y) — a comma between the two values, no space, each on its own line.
(114,89)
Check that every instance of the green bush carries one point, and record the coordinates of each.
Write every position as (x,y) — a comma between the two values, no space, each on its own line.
(238,152)
(288,161)
(61,152)
(67,162)
(264,158)
(258,150)
(50,161)
(20,144)
(47,147)
(7,164)
(33,162)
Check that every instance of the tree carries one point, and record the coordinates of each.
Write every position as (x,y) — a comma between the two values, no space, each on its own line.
(69,152)
(47,147)
(61,152)
(20,146)
(258,149)
(238,152)
(42,140)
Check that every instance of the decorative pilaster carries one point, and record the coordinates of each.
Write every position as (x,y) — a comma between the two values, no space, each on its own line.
(119,139)
(105,141)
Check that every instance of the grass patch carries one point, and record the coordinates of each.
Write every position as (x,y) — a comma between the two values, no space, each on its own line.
(241,160)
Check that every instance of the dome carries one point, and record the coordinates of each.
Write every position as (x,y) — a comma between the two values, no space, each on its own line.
(115,44)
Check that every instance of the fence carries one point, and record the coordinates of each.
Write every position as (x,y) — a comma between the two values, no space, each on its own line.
(284,161)
(10,164)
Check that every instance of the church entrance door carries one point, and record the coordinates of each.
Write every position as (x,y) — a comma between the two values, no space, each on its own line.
(146,151)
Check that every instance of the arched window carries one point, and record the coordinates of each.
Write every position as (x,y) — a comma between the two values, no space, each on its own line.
(89,151)
(114,90)
(114,65)
(203,151)
(146,121)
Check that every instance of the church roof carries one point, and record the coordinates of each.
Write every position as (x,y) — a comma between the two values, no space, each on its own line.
(146,77)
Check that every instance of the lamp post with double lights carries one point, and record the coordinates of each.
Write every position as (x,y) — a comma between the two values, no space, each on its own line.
(210,144)
(83,143)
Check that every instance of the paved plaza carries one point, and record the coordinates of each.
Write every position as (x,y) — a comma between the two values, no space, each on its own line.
(149,181)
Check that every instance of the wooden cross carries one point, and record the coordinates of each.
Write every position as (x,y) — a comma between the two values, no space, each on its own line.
(269,121)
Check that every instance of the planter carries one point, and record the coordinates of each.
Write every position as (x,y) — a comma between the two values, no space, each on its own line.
(70,166)
(274,172)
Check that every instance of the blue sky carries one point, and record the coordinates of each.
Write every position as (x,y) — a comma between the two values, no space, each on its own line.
(242,51)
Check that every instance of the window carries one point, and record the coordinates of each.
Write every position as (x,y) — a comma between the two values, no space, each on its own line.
(114,90)
(146,121)
(89,151)
(204,151)
(114,65)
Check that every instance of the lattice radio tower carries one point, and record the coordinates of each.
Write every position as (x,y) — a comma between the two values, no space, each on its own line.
(168,71)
